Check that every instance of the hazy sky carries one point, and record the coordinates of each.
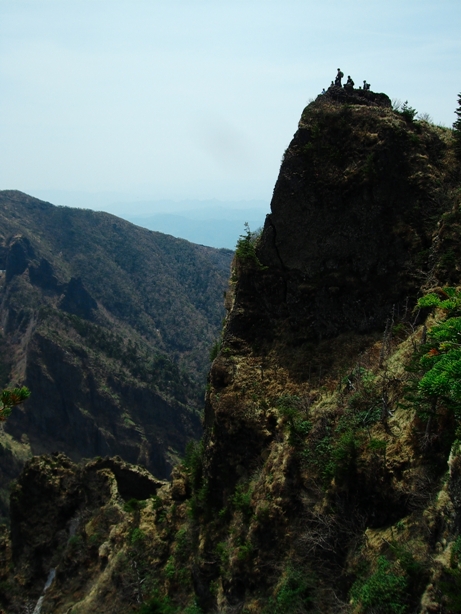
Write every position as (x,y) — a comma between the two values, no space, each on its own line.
(198,99)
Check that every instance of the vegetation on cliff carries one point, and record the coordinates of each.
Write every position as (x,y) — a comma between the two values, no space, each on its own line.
(329,475)
(457,129)
(12,398)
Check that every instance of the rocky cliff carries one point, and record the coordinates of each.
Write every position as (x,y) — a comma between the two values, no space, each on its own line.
(110,326)
(328,477)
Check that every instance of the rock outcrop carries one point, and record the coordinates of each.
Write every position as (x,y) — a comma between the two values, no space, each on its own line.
(62,515)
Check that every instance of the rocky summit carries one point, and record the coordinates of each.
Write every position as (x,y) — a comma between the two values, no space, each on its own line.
(328,476)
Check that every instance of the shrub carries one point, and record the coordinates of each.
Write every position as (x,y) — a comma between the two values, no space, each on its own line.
(456,552)
(245,550)
(435,387)
(344,453)
(408,112)
(222,550)
(192,462)
(384,591)
(241,500)
(170,569)
(134,505)
(377,445)
(75,542)
(182,540)
(450,587)
(10,398)
(137,536)
(157,605)
(245,250)
(199,502)
(294,594)
(215,348)
(439,360)
(457,129)
(290,407)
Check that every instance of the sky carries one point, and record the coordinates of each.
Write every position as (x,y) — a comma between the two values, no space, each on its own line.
(131,101)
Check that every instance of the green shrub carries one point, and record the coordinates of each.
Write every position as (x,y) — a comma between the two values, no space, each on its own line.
(182,541)
(334,455)
(170,568)
(294,593)
(450,583)
(157,502)
(215,348)
(10,398)
(344,453)
(222,550)
(192,462)
(96,539)
(137,536)
(436,365)
(198,503)
(457,129)
(290,407)
(450,587)
(245,550)
(408,112)
(365,396)
(75,542)
(384,591)
(413,568)
(241,500)
(157,605)
(456,552)
(245,250)
(134,505)
(377,445)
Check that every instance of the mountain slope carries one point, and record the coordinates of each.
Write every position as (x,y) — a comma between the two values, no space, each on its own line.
(328,477)
(110,326)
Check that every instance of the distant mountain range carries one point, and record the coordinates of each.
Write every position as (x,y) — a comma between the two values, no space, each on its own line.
(222,229)
(215,223)
(110,326)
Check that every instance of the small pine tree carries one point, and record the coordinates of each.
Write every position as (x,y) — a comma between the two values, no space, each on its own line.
(10,398)
(408,112)
(457,129)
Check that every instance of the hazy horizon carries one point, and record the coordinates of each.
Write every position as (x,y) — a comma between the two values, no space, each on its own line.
(116,101)
(211,222)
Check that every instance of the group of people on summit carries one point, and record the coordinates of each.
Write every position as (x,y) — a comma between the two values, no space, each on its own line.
(349,83)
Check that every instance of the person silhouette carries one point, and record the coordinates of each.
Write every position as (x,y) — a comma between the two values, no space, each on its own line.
(339,76)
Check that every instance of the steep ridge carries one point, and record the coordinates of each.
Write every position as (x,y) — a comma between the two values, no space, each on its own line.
(327,479)
(110,326)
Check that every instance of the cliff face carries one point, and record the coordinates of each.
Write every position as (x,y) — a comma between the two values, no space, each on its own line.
(354,209)
(327,479)
(109,325)
(307,412)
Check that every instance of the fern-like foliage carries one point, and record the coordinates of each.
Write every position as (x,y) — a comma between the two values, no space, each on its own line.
(441,362)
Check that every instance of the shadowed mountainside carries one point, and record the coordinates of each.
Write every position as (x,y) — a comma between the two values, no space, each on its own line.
(110,326)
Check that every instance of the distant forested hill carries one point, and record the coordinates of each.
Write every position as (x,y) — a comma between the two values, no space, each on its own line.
(110,326)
